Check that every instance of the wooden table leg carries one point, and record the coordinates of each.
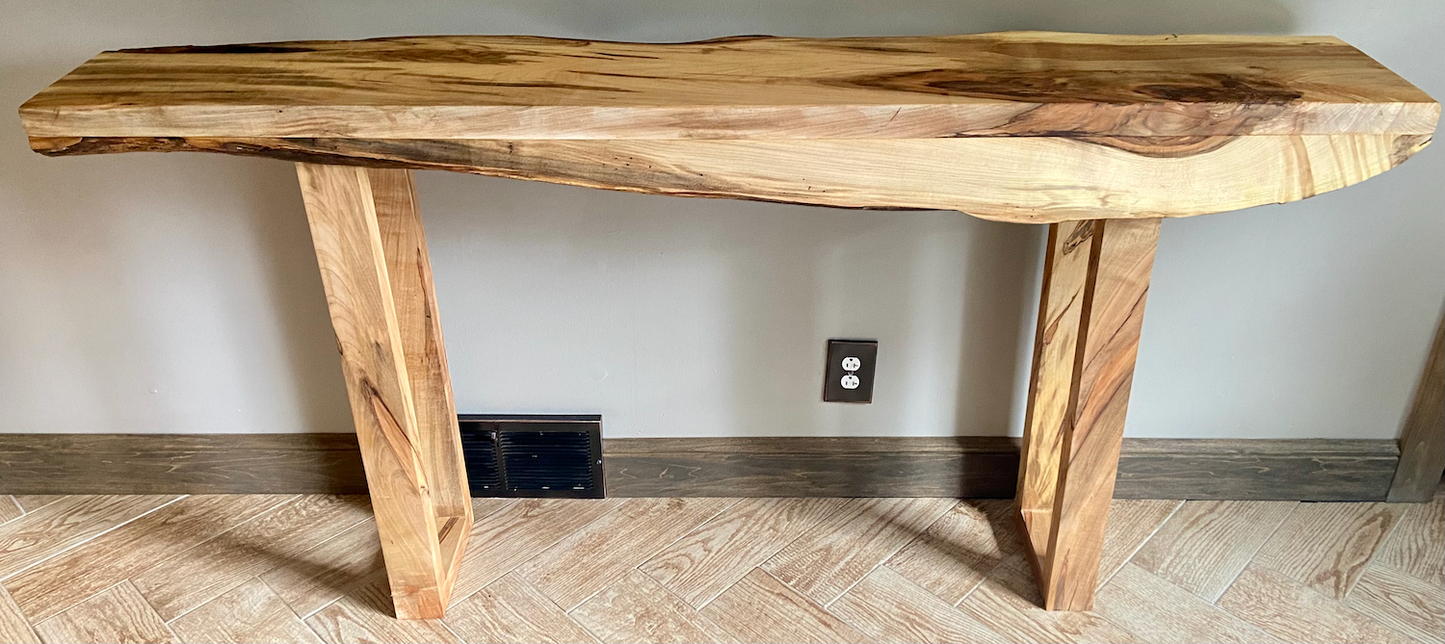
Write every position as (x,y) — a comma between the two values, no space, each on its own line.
(1096,277)
(367,231)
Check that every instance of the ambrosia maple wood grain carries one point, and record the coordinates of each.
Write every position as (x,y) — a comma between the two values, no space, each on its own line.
(1102,136)
(1025,126)
(518,87)
(1096,279)
(405,460)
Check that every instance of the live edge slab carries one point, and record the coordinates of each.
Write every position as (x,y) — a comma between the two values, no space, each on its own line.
(1098,136)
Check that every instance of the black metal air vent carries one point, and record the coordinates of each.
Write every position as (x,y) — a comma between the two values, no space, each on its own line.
(533,456)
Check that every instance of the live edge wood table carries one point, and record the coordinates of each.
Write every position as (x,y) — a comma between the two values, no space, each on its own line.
(1097,136)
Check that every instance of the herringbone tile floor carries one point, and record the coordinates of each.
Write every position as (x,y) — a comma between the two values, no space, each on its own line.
(308,569)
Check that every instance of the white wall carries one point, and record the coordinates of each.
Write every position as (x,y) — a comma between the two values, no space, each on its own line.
(178,293)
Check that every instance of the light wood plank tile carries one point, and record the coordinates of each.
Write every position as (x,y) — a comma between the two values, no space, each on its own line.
(231,558)
(9,508)
(328,571)
(1417,546)
(1205,544)
(638,609)
(1155,610)
(118,615)
(33,502)
(705,562)
(591,558)
(504,539)
(1326,546)
(366,615)
(13,626)
(485,506)
(509,610)
(1400,601)
(248,614)
(1131,523)
(1009,603)
(1292,612)
(759,608)
(62,581)
(890,608)
(957,551)
(828,559)
(56,527)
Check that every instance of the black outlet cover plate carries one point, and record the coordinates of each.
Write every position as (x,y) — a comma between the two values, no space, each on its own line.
(866,353)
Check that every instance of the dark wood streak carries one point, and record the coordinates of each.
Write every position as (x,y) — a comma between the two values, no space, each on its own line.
(1161,147)
(1080,86)
(1083,233)
(1406,145)
(427,154)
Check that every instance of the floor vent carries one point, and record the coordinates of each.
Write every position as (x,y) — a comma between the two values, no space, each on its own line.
(533,456)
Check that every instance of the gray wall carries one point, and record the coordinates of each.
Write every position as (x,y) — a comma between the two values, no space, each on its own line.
(178,293)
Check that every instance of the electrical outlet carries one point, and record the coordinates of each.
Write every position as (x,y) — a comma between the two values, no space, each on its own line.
(849,376)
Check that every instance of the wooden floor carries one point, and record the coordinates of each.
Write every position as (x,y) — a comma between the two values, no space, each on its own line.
(308,569)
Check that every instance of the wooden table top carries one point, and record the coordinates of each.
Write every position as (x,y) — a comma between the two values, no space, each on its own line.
(1130,123)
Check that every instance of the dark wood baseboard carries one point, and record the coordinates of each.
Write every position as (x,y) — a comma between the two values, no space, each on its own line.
(1307,470)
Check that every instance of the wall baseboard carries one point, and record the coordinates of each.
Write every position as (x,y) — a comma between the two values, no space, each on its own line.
(977,467)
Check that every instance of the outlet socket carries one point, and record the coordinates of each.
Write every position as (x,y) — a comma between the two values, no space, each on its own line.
(849,374)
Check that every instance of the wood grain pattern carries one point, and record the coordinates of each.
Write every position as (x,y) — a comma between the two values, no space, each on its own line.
(1113,317)
(1256,470)
(209,570)
(1131,523)
(1422,441)
(1067,257)
(759,608)
(836,553)
(959,467)
(591,558)
(1158,611)
(365,615)
(505,539)
(968,467)
(1409,605)
(71,576)
(33,502)
(509,610)
(1387,603)
(13,626)
(317,577)
(715,555)
(1028,126)
(1417,546)
(67,522)
(342,208)
(10,509)
(638,609)
(247,614)
(119,614)
(1026,180)
(51,464)
(889,608)
(408,271)
(1294,613)
(1326,546)
(1013,83)
(1205,545)
(1091,312)
(959,549)
(1009,603)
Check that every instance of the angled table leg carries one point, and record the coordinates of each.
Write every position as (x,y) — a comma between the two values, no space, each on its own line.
(369,243)
(1096,277)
